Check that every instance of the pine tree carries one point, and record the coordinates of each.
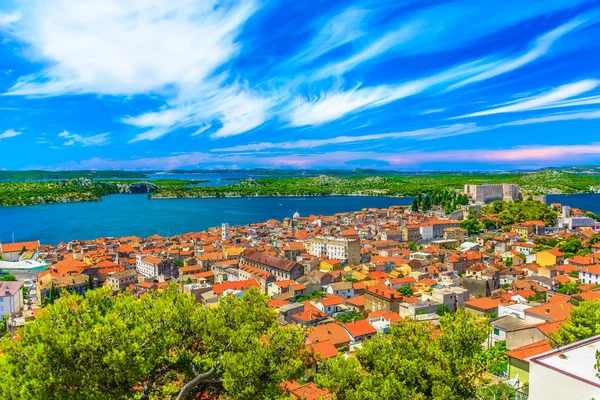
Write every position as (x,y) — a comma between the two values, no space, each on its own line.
(426,203)
(90,284)
(415,206)
(52,296)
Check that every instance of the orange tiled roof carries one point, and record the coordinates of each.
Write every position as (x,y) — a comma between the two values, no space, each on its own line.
(526,352)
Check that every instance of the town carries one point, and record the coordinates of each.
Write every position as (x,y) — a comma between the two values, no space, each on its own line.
(348,277)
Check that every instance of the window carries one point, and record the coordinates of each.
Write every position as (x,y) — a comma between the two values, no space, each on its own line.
(496,331)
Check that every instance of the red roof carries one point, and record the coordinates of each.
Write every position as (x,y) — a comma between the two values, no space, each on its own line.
(331,331)
(234,285)
(152,260)
(526,352)
(360,328)
(552,311)
(324,350)
(483,303)
(18,246)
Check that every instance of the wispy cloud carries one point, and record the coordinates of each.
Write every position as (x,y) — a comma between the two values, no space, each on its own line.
(7,19)
(9,133)
(555,118)
(339,30)
(420,134)
(72,139)
(540,47)
(237,108)
(373,50)
(124,48)
(335,104)
(542,100)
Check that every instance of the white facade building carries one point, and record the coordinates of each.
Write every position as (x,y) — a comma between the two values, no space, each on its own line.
(11,297)
(426,230)
(590,274)
(566,373)
(336,248)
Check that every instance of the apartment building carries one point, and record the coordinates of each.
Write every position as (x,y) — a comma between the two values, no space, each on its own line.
(342,249)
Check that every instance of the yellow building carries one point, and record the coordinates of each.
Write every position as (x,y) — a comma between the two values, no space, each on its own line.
(549,257)
(330,265)
(233,251)
(524,230)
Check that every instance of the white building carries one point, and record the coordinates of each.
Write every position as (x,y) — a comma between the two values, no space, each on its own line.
(566,373)
(224,232)
(426,230)
(153,267)
(515,310)
(336,248)
(452,297)
(11,297)
(590,274)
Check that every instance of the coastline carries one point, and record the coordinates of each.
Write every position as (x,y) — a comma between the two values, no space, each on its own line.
(229,196)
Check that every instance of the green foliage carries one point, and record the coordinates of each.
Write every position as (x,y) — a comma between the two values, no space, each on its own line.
(584,322)
(178,264)
(316,295)
(537,297)
(106,346)
(442,310)
(510,212)
(495,360)
(569,288)
(413,246)
(349,317)
(497,391)
(546,241)
(426,206)
(570,245)
(77,189)
(411,363)
(595,238)
(584,252)
(415,205)
(8,278)
(406,291)
(3,326)
(472,225)
(490,224)
(574,274)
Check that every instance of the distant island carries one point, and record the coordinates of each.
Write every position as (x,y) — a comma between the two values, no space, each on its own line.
(44,190)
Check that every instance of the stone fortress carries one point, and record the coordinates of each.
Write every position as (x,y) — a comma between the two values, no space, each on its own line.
(488,193)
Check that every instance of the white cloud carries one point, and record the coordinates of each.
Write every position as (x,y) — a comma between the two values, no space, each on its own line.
(555,118)
(339,30)
(373,50)
(126,47)
(7,19)
(335,104)
(93,140)
(202,130)
(9,133)
(238,108)
(422,134)
(541,46)
(542,100)
(170,48)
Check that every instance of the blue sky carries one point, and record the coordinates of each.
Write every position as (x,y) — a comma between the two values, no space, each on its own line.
(157,84)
